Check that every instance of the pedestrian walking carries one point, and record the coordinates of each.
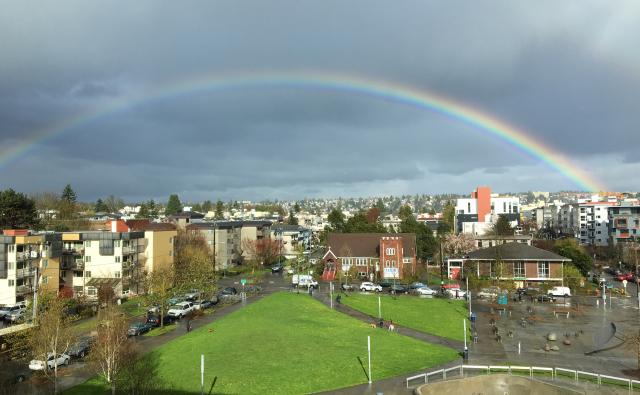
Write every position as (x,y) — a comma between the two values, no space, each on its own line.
(188,326)
(338,299)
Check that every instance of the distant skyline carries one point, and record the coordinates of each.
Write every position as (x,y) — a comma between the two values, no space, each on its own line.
(560,72)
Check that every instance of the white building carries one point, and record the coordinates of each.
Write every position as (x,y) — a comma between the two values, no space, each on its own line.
(476,214)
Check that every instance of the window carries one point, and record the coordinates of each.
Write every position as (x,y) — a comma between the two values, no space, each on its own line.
(116,275)
(12,248)
(87,258)
(63,273)
(116,243)
(117,258)
(406,260)
(87,274)
(543,270)
(77,290)
(518,269)
(77,273)
(12,283)
(393,263)
(391,251)
(87,243)
(387,263)
(469,208)
(91,291)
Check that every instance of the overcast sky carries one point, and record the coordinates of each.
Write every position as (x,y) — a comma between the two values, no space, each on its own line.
(566,72)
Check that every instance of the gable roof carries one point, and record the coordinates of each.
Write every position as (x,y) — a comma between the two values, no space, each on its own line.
(515,252)
(368,244)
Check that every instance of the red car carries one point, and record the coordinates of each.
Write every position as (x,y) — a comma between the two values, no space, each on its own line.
(624,276)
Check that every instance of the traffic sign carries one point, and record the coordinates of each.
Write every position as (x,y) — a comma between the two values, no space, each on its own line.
(243,281)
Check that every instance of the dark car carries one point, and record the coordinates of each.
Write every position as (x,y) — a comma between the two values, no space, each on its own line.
(399,289)
(277,268)
(545,298)
(347,287)
(206,304)
(386,283)
(529,291)
(138,328)
(229,291)
(154,320)
(81,347)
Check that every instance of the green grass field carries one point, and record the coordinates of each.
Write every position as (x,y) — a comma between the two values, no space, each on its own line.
(285,344)
(437,316)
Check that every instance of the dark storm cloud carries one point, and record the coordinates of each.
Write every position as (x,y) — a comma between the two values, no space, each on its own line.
(563,72)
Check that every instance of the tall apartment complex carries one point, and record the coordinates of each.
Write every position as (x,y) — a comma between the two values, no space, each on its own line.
(624,224)
(476,214)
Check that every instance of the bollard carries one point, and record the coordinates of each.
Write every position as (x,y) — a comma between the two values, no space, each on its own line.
(518,348)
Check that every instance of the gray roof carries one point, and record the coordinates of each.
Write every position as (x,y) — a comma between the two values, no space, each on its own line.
(516,252)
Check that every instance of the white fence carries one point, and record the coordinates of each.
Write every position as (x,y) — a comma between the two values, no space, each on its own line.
(458,371)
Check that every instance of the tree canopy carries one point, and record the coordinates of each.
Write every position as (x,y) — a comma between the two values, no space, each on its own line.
(174,206)
(569,248)
(17,211)
(502,227)
(68,194)
(426,243)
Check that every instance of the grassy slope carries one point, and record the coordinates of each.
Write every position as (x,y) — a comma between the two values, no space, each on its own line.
(441,317)
(286,344)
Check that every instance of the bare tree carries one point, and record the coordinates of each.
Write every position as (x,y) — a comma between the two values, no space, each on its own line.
(51,335)
(112,349)
(160,282)
(265,251)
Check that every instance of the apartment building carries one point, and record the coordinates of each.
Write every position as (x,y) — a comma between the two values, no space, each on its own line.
(94,259)
(593,222)
(624,223)
(159,242)
(27,260)
(292,238)
(475,215)
(228,239)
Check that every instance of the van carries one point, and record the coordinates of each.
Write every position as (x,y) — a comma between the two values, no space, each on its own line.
(559,291)
(303,280)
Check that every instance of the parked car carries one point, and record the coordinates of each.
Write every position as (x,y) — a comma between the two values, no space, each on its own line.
(15,316)
(347,287)
(138,328)
(181,309)
(154,320)
(205,304)
(417,285)
(559,291)
(228,291)
(6,310)
(545,298)
(289,269)
(529,291)
(398,289)
(303,281)
(370,287)
(192,295)
(385,283)
(277,268)
(81,347)
(51,362)
(488,293)
(452,292)
(425,291)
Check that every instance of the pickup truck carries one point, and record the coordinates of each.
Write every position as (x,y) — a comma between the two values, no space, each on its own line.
(181,309)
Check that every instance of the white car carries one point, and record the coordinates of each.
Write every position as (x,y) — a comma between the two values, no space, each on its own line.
(559,291)
(425,291)
(181,309)
(488,293)
(452,292)
(6,310)
(61,359)
(370,287)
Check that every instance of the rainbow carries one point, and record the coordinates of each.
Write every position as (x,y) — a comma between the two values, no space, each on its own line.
(328,81)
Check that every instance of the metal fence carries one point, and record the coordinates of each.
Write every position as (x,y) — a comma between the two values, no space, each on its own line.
(458,371)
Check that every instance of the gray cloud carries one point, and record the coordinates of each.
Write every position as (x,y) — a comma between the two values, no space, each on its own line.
(562,72)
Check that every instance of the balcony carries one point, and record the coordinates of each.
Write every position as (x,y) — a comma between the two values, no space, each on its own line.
(26,255)
(23,289)
(73,251)
(26,272)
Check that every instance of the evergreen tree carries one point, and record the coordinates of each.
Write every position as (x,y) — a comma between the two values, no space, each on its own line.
(219,210)
(68,194)
(17,211)
(296,208)
(173,205)
(207,206)
(405,213)
(502,227)
(336,220)
(144,211)
(153,208)
(426,243)
(292,219)
(100,206)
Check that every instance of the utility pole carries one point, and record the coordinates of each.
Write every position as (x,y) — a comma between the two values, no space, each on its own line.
(441,270)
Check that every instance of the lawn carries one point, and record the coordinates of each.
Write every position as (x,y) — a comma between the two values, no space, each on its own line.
(161,331)
(285,344)
(437,316)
